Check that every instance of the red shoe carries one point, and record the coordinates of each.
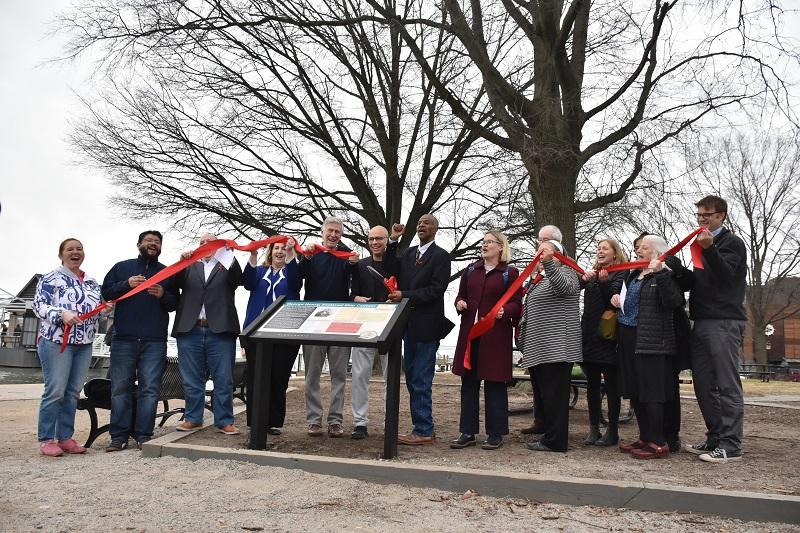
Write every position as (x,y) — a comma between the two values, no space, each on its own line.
(651,451)
(70,446)
(51,448)
(628,448)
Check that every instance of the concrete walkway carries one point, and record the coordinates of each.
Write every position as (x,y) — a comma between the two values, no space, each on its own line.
(26,391)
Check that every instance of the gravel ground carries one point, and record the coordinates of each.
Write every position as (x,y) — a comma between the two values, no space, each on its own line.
(771,442)
(126,492)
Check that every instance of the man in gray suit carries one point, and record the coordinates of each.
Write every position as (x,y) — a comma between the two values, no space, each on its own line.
(206,327)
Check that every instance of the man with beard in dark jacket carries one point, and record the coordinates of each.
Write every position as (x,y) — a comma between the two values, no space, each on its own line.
(139,345)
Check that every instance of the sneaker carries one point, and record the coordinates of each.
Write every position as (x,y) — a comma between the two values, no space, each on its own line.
(464,440)
(274,431)
(229,429)
(701,448)
(718,455)
(315,430)
(335,431)
(70,446)
(359,432)
(117,445)
(51,448)
(492,443)
(188,426)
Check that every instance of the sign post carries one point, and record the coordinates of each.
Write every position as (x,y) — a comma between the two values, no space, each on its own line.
(370,325)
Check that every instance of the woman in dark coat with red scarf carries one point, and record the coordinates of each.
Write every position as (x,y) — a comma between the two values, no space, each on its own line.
(482,285)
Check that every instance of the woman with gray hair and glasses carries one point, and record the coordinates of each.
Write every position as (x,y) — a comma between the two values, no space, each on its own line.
(647,344)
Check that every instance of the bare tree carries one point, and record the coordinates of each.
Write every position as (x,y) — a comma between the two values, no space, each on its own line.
(757,175)
(228,113)
(610,83)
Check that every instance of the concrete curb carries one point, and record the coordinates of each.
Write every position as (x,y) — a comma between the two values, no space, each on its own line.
(570,491)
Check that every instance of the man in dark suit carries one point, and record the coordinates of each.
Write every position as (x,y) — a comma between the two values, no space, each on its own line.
(206,327)
(423,273)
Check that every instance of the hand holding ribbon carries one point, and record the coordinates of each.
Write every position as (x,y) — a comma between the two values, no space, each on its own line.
(203,251)
(487,323)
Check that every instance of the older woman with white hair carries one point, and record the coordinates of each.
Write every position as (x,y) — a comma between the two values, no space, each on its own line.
(646,339)
(551,343)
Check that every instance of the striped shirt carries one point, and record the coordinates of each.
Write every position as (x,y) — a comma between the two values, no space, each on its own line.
(552,329)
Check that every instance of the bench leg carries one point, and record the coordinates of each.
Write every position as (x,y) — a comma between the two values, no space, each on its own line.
(93,427)
(94,431)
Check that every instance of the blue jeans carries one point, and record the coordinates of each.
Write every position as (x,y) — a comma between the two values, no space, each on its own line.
(201,353)
(419,359)
(64,375)
(133,406)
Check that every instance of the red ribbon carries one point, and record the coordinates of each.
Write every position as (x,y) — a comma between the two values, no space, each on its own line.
(696,250)
(390,284)
(487,322)
(203,251)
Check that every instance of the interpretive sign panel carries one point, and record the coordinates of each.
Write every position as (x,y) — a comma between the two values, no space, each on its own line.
(372,325)
(354,324)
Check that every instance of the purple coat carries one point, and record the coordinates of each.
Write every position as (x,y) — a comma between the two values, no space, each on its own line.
(481,292)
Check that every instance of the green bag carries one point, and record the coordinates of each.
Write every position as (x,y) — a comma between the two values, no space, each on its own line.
(607,328)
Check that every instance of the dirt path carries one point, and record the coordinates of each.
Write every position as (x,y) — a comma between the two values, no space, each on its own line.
(125,492)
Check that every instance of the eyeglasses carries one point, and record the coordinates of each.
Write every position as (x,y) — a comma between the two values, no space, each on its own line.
(489,241)
(706,215)
(373,239)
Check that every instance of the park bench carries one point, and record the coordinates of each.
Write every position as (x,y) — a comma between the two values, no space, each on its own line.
(98,396)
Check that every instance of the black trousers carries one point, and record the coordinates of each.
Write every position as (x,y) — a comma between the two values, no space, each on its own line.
(672,412)
(609,374)
(538,410)
(495,396)
(650,417)
(551,388)
(283,358)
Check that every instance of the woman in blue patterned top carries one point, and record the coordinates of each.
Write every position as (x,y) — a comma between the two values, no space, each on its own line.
(278,276)
(61,296)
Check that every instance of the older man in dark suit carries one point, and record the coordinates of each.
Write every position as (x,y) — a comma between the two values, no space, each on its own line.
(206,327)
(423,274)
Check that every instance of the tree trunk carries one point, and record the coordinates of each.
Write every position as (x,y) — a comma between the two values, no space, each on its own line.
(552,182)
(759,344)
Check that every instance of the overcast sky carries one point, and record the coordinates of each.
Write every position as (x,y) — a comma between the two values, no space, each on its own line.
(45,196)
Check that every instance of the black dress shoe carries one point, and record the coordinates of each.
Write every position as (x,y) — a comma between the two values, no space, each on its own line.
(492,443)
(274,431)
(463,441)
(359,432)
(539,447)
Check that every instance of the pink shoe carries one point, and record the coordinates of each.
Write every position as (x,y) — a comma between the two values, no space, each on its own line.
(70,446)
(51,449)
